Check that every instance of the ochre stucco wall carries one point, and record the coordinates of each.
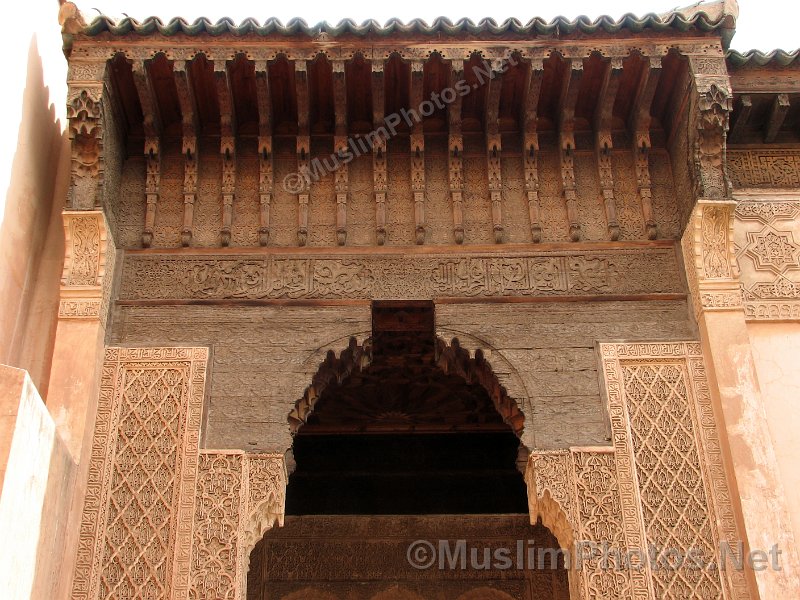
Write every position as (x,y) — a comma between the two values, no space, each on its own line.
(33,182)
(776,348)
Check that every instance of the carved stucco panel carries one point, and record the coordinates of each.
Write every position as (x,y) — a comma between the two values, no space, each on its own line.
(664,428)
(239,497)
(709,257)
(136,528)
(89,256)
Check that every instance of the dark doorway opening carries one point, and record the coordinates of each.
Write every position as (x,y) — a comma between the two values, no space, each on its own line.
(404,448)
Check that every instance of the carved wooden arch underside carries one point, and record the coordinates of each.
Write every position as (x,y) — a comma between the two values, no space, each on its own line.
(451,359)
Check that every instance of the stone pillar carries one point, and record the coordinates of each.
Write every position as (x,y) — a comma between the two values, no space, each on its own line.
(714,283)
(78,351)
(752,464)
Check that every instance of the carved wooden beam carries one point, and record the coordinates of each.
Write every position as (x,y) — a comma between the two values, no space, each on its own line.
(493,148)
(152,142)
(709,117)
(567,101)
(417,139)
(777,114)
(455,150)
(227,146)
(639,122)
(530,108)
(189,146)
(603,113)
(265,173)
(639,118)
(341,175)
(87,92)
(604,142)
(745,106)
(379,172)
(303,150)
(641,157)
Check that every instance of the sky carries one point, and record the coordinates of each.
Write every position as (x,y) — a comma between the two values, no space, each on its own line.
(762,24)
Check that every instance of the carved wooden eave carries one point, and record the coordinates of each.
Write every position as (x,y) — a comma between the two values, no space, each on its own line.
(639,126)
(566,136)
(777,114)
(250,83)
(766,97)
(265,172)
(417,147)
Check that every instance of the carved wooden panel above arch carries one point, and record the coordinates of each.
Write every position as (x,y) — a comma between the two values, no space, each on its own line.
(639,271)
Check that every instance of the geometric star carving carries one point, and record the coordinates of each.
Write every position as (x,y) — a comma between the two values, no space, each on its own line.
(773,250)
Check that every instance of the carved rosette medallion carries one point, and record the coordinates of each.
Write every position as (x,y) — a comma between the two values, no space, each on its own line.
(766,241)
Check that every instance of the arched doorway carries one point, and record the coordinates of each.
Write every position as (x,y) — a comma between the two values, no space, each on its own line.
(406,482)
